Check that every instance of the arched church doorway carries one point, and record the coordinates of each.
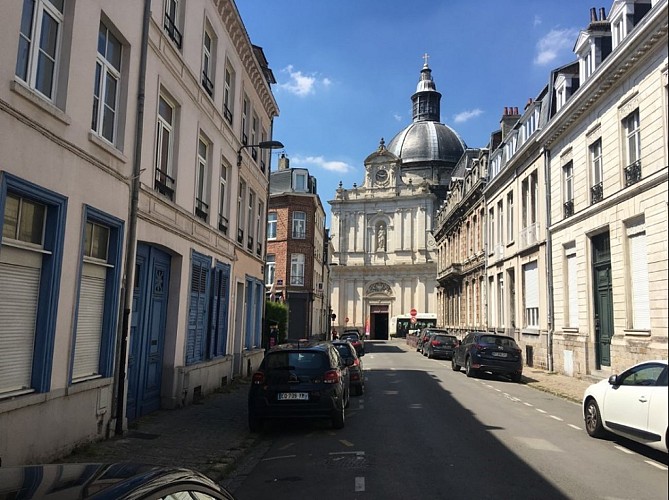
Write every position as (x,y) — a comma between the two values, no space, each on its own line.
(378,325)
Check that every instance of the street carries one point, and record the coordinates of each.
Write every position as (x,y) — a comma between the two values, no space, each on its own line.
(422,430)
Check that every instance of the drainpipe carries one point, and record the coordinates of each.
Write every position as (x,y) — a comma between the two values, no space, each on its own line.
(131,242)
(549,259)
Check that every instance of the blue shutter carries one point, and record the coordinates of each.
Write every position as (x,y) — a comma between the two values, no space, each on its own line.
(198,308)
(223,303)
(248,337)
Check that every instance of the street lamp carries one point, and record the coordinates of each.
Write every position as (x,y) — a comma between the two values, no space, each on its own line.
(261,145)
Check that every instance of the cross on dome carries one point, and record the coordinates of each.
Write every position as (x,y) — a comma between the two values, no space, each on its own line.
(425,58)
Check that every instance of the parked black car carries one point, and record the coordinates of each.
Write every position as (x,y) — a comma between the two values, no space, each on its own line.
(424,334)
(355,338)
(114,481)
(305,379)
(487,352)
(440,345)
(354,362)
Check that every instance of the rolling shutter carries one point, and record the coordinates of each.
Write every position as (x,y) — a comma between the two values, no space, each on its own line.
(531,285)
(89,321)
(19,290)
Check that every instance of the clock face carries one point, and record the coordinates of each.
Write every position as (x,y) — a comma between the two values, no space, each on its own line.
(381,175)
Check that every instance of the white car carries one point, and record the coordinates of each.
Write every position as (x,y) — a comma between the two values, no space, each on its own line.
(632,404)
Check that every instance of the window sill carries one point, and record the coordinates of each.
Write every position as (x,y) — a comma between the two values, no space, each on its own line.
(530,331)
(101,143)
(570,330)
(41,102)
(636,333)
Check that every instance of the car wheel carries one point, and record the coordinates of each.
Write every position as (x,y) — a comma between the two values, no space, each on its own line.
(516,377)
(430,355)
(454,365)
(338,418)
(255,424)
(593,419)
(468,368)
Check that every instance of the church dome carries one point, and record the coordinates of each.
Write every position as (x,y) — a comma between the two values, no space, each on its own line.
(426,139)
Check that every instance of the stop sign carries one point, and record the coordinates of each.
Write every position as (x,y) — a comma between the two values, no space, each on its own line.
(413,313)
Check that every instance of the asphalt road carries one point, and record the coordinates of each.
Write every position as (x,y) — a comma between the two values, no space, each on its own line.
(424,431)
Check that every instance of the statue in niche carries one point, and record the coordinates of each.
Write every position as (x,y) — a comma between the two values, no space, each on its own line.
(381,238)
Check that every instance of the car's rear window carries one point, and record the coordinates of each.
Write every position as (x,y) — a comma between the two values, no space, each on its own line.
(352,336)
(295,360)
(344,350)
(446,339)
(497,340)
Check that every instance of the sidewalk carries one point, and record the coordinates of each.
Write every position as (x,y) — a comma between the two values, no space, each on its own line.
(213,437)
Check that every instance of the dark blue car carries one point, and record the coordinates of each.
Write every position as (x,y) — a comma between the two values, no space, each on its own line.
(487,352)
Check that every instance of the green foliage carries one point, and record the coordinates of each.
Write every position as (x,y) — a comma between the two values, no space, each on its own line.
(276,313)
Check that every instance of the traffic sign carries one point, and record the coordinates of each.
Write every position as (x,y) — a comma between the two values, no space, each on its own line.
(413,320)
(413,313)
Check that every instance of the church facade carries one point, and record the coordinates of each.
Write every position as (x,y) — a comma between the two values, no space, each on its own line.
(384,260)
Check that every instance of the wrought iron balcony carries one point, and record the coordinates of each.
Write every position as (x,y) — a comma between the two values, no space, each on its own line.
(164,184)
(207,84)
(596,193)
(201,209)
(568,208)
(227,113)
(633,173)
(173,31)
(222,224)
(297,280)
(299,235)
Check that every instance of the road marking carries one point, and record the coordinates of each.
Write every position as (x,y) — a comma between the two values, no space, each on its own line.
(624,450)
(655,464)
(528,404)
(359,484)
(358,453)
(540,410)
(391,393)
(346,443)
(556,418)
(575,427)
(278,458)
(416,406)
(287,446)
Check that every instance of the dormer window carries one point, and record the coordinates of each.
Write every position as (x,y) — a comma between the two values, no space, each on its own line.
(624,16)
(593,44)
(565,86)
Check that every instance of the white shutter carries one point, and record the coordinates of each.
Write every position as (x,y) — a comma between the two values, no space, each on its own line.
(572,290)
(19,289)
(639,281)
(89,322)
(531,285)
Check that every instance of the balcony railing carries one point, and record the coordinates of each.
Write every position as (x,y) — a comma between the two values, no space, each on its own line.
(299,235)
(201,209)
(633,173)
(596,193)
(297,280)
(164,184)
(529,236)
(222,224)
(568,208)
(227,113)
(207,84)
(172,30)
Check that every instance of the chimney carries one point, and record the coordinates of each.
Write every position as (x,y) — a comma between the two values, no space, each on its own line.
(284,162)
(593,15)
(509,119)
(602,14)
(529,103)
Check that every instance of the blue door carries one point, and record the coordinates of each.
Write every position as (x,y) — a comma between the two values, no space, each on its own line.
(147,331)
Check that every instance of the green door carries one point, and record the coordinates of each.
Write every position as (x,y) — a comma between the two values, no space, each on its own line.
(603,299)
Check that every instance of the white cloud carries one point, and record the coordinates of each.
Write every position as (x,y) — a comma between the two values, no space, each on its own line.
(467,115)
(537,20)
(320,162)
(556,42)
(398,118)
(300,84)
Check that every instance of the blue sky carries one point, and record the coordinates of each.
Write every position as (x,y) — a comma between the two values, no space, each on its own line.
(346,69)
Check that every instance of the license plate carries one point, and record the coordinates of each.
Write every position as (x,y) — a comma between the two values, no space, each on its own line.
(301,396)
(500,354)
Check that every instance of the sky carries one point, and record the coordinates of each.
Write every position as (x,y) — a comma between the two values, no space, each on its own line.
(346,69)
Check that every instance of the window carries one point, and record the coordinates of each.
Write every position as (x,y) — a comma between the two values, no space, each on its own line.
(491,301)
(259,232)
(164,147)
(263,152)
(98,292)
(271,226)
(491,231)
(208,61)
(568,189)
(529,187)
(201,206)
(632,148)
(531,294)
(509,217)
(107,83)
(297,269)
(198,308)
(254,136)
(299,225)
(300,182)
(638,275)
(28,292)
(500,223)
(223,201)
(571,290)
(596,173)
(250,220)
(229,94)
(39,44)
(511,287)
(241,210)
(245,120)
(270,269)
(172,20)
(500,299)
